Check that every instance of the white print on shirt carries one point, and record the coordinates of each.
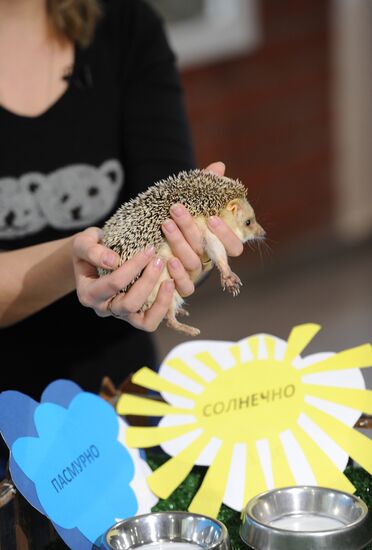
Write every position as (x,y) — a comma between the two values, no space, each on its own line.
(71,197)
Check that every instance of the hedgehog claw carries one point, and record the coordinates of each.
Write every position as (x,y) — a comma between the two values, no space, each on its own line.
(232,283)
(180,327)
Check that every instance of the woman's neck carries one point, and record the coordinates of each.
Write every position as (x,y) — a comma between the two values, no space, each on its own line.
(32,57)
(29,9)
(24,18)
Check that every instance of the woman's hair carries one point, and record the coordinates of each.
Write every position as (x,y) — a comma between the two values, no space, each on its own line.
(75,19)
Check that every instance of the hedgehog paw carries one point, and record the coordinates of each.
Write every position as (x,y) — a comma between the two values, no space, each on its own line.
(232,283)
(184,312)
(181,327)
(191,331)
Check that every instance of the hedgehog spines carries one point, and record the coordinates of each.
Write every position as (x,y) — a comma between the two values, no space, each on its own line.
(137,223)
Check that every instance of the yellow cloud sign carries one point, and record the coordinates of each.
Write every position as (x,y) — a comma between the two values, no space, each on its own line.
(257,413)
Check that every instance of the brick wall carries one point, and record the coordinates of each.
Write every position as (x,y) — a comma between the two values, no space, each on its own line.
(267,116)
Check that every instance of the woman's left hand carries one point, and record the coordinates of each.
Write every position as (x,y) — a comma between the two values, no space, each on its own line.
(185,241)
(103,295)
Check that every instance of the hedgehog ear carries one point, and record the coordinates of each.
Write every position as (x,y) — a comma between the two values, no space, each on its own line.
(234,207)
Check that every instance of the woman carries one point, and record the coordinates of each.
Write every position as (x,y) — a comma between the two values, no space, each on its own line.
(91,113)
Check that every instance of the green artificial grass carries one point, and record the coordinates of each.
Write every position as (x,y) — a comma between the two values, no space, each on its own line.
(182,496)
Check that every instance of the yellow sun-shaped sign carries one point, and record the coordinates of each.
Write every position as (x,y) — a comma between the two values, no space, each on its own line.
(256,412)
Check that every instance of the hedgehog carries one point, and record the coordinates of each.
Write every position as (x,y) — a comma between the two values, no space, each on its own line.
(136,225)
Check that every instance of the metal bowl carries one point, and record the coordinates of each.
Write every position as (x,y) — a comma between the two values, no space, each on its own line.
(310,518)
(167,527)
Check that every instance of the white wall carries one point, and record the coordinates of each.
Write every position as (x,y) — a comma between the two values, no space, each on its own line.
(352,104)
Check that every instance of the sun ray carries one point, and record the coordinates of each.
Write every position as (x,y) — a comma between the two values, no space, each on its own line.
(325,471)
(167,477)
(270,347)
(344,396)
(298,339)
(253,343)
(206,358)
(209,497)
(235,352)
(132,404)
(358,446)
(151,380)
(254,478)
(282,473)
(358,357)
(152,436)
(183,368)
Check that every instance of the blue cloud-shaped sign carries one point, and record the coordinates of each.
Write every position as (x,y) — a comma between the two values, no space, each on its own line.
(80,471)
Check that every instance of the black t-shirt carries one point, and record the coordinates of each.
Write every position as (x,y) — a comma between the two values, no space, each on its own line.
(119,127)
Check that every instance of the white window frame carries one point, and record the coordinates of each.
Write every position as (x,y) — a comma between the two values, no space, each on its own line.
(226,28)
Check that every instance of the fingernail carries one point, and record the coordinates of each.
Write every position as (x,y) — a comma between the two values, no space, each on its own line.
(158,263)
(174,263)
(213,221)
(177,209)
(109,259)
(169,285)
(169,226)
(149,251)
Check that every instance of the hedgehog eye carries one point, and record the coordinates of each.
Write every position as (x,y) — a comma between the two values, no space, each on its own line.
(248,222)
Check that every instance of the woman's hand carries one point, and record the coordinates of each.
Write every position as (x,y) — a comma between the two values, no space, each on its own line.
(103,293)
(185,241)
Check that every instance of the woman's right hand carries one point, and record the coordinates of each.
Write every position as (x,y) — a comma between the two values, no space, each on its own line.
(103,295)
(186,242)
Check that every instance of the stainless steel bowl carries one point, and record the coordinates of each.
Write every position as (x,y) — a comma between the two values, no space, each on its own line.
(306,518)
(167,527)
